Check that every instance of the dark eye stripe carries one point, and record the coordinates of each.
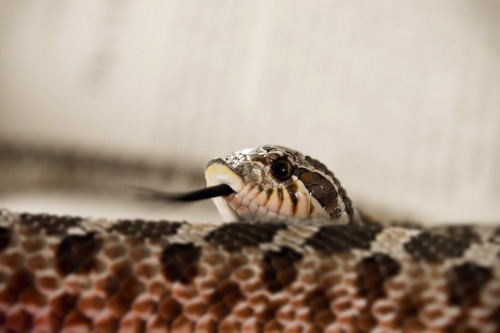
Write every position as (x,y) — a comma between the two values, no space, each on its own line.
(321,189)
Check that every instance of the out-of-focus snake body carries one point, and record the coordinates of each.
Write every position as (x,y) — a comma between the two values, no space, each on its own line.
(339,272)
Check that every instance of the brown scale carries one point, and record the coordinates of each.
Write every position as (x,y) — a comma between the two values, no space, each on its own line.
(279,270)
(321,189)
(234,236)
(77,254)
(19,321)
(20,280)
(90,305)
(373,275)
(179,262)
(341,191)
(465,283)
(4,238)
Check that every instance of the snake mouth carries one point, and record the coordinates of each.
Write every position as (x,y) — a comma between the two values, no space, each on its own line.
(218,172)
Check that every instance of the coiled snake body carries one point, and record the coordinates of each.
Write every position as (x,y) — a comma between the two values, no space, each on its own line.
(294,256)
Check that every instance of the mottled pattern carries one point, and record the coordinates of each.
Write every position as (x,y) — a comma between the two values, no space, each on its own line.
(80,275)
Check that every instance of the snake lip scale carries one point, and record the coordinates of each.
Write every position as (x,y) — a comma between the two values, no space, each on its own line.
(292,256)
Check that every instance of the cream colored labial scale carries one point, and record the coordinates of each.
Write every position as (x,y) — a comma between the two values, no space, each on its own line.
(286,208)
(261,198)
(274,202)
(217,174)
(239,199)
(227,213)
(316,208)
(303,200)
(253,191)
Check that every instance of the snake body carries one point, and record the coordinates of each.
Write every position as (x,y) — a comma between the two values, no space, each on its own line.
(270,270)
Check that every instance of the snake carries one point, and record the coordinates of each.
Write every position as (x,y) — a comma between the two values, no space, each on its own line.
(292,254)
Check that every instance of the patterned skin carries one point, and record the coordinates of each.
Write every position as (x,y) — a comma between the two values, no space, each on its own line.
(274,274)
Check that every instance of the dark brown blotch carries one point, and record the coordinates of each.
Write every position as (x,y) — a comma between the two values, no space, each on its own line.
(76,254)
(333,239)
(318,301)
(225,297)
(464,232)
(20,281)
(373,272)
(308,177)
(435,247)
(321,189)
(235,236)
(495,236)
(4,238)
(465,283)
(279,269)
(50,224)
(143,230)
(179,262)
(131,288)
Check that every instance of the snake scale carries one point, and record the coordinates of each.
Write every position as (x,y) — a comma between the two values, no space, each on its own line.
(293,256)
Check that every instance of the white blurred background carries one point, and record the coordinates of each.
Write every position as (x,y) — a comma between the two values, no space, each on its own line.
(400,99)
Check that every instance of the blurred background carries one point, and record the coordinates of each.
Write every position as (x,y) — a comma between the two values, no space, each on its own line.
(400,99)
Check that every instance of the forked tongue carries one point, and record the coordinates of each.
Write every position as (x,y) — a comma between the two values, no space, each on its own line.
(205,193)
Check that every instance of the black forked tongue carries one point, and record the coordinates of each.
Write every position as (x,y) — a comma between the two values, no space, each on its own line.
(205,193)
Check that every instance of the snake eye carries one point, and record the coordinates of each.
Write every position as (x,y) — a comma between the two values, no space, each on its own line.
(282,169)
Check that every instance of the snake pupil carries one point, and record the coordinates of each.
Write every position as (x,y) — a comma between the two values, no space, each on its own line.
(282,169)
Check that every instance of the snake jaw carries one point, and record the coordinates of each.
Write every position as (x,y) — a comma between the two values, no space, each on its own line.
(219,172)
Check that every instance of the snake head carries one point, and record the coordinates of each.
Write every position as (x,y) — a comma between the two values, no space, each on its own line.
(276,181)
